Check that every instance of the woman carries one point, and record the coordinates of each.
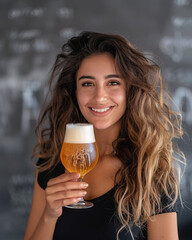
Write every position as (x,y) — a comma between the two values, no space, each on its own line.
(102,79)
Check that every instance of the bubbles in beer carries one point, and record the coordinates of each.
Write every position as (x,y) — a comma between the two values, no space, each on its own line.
(80,158)
(79,152)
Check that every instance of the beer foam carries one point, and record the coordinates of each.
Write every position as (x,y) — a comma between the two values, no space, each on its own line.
(79,133)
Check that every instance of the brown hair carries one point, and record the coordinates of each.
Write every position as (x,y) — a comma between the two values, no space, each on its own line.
(149,125)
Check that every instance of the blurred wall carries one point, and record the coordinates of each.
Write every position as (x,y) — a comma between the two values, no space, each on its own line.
(31,34)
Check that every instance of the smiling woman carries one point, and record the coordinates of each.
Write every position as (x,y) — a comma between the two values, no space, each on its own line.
(102,79)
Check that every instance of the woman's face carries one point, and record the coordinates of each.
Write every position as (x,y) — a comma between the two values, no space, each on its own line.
(101,91)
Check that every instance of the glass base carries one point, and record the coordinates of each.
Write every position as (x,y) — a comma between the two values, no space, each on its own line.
(80,205)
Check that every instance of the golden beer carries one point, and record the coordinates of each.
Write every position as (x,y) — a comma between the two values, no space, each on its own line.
(80,158)
(79,152)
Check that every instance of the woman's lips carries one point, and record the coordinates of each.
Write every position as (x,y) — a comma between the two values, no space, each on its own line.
(101,111)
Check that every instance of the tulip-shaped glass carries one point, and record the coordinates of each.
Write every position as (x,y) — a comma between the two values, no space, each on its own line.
(79,153)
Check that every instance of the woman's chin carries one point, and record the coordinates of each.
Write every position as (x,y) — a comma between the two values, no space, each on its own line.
(101,126)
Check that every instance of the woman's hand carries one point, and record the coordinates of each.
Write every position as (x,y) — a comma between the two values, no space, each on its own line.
(61,191)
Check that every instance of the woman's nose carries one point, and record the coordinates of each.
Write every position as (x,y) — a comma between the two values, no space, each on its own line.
(101,94)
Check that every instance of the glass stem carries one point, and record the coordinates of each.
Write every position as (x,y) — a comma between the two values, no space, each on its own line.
(82,201)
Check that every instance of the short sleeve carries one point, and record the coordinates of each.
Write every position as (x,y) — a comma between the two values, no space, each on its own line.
(45,176)
(167,207)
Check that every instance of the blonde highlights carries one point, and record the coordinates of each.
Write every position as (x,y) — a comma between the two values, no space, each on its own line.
(150,172)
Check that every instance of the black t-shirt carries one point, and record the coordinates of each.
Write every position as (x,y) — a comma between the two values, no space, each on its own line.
(97,223)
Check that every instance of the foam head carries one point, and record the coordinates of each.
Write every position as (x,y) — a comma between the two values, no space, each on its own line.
(79,133)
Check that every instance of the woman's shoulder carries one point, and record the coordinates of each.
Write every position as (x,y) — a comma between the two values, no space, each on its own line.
(168,205)
(44,176)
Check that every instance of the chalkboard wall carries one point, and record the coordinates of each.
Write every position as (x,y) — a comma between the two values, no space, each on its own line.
(31,34)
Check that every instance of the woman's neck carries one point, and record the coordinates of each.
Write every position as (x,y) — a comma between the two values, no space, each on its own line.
(105,138)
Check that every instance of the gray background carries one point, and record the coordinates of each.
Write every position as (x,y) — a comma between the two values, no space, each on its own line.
(31,34)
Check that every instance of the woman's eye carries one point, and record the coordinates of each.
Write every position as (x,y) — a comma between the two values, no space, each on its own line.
(87,84)
(112,83)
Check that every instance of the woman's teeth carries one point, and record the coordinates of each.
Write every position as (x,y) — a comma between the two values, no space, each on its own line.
(100,110)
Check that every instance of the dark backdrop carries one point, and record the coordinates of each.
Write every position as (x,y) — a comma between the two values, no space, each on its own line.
(32,32)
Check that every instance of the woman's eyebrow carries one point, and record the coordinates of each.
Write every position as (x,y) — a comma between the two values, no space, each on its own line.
(86,77)
(112,76)
(106,77)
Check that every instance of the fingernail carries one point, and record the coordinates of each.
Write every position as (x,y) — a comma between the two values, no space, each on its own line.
(85,185)
(84,193)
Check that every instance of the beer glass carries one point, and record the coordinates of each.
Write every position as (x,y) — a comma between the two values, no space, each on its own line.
(79,153)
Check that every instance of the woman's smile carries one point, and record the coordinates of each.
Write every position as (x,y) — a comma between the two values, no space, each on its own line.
(101,111)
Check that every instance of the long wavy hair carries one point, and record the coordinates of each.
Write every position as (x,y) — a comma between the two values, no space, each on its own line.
(145,143)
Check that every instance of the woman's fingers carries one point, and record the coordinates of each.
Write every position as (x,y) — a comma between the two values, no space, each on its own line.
(66,195)
(64,186)
(70,201)
(64,183)
(56,201)
(63,190)
(57,205)
(63,178)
